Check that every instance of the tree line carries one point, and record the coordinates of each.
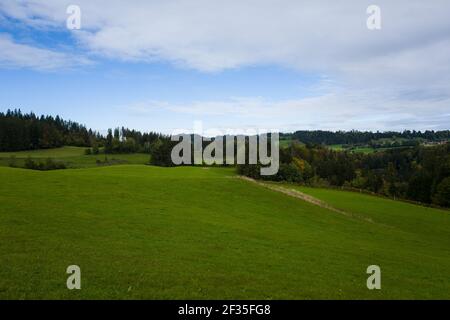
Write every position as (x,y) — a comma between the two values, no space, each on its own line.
(27,131)
(124,140)
(20,131)
(362,137)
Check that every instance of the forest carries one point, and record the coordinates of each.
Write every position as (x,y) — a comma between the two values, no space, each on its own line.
(19,131)
(360,137)
(418,173)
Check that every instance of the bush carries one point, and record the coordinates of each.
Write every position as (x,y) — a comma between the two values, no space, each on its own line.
(160,153)
(442,195)
(29,163)
(88,151)
(289,173)
(317,181)
(249,170)
(12,162)
(49,164)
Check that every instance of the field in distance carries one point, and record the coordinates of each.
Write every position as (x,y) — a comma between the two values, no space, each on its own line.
(72,157)
(146,232)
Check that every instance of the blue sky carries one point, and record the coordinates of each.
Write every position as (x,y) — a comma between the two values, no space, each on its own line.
(287,65)
(104,94)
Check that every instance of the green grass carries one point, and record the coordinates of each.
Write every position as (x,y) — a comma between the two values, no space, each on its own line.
(362,149)
(340,147)
(73,157)
(285,143)
(63,152)
(426,222)
(365,149)
(192,233)
(336,147)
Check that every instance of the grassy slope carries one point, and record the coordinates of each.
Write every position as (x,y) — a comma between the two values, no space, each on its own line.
(73,157)
(63,152)
(155,233)
(427,223)
(339,147)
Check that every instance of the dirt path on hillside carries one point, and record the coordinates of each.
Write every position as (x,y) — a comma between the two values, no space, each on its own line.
(305,197)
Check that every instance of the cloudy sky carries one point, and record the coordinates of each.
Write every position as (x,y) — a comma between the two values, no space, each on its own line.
(277,64)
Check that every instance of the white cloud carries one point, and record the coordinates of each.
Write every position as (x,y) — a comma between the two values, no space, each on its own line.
(215,35)
(340,109)
(14,54)
(395,76)
(330,36)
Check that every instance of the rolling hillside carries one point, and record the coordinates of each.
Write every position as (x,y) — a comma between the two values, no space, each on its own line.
(72,157)
(201,233)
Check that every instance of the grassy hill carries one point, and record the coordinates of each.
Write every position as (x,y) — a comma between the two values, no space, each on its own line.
(147,232)
(72,157)
(428,223)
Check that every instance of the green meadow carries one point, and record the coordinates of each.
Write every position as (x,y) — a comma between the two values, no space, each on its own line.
(143,232)
(72,157)
(358,149)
